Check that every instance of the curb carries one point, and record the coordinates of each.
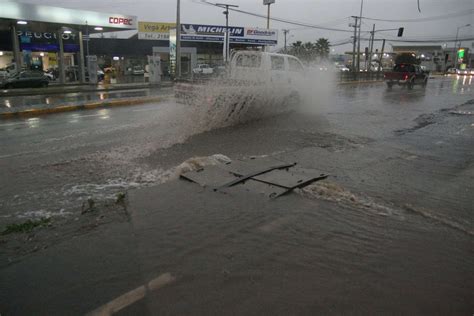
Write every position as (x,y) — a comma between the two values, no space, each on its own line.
(87,106)
(75,89)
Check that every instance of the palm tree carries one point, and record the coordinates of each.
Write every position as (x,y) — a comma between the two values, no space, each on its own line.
(296,45)
(322,47)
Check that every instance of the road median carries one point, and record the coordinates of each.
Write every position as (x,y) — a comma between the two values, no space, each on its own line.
(85,106)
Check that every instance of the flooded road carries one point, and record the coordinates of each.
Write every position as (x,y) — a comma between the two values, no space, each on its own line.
(389,232)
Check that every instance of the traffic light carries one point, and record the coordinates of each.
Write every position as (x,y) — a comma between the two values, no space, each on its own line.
(400,32)
(366,53)
(461,53)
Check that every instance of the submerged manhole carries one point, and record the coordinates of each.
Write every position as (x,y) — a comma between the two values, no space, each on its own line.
(265,176)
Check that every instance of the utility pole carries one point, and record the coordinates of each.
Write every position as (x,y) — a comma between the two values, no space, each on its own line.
(87,39)
(354,45)
(371,46)
(358,39)
(285,33)
(178,40)
(227,37)
(381,56)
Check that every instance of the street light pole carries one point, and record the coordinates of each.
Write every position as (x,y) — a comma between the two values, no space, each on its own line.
(358,39)
(178,40)
(285,33)
(227,36)
(268,3)
(268,16)
(455,56)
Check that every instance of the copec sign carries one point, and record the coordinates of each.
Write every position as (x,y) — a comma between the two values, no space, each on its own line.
(120,20)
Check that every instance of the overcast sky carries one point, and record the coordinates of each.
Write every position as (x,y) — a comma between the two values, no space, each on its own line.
(330,13)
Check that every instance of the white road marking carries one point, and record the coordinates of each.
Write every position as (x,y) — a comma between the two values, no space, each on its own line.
(120,302)
(132,296)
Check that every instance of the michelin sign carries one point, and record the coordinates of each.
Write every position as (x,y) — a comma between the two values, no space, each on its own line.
(208,33)
(216,33)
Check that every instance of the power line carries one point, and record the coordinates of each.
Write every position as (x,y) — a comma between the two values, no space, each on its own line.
(279,19)
(421,40)
(433,18)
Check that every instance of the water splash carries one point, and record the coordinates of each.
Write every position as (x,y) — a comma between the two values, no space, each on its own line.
(333,192)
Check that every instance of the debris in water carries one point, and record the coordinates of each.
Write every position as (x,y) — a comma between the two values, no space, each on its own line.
(120,198)
(88,206)
(25,227)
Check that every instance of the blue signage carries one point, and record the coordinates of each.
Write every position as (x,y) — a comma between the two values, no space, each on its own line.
(211,30)
(216,34)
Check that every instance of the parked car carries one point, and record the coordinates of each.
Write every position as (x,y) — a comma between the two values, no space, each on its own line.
(451,71)
(203,69)
(49,75)
(100,75)
(463,72)
(342,68)
(3,74)
(138,71)
(25,79)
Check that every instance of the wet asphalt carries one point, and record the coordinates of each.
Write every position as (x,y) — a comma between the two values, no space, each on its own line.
(391,234)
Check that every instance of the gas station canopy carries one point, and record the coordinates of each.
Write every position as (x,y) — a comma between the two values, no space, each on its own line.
(13,11)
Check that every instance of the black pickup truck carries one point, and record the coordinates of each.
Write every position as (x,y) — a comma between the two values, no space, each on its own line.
(406,75)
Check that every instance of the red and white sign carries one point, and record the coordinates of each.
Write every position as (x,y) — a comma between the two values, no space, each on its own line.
(120,21)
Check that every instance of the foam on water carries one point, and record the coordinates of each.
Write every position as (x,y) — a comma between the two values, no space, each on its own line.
(43,214)
(333,192)
(139,178)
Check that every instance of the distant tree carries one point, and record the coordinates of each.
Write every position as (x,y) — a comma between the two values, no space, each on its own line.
(308,51)
(322,47)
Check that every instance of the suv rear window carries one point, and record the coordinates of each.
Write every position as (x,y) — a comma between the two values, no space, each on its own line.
(251,61)
(278,62)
